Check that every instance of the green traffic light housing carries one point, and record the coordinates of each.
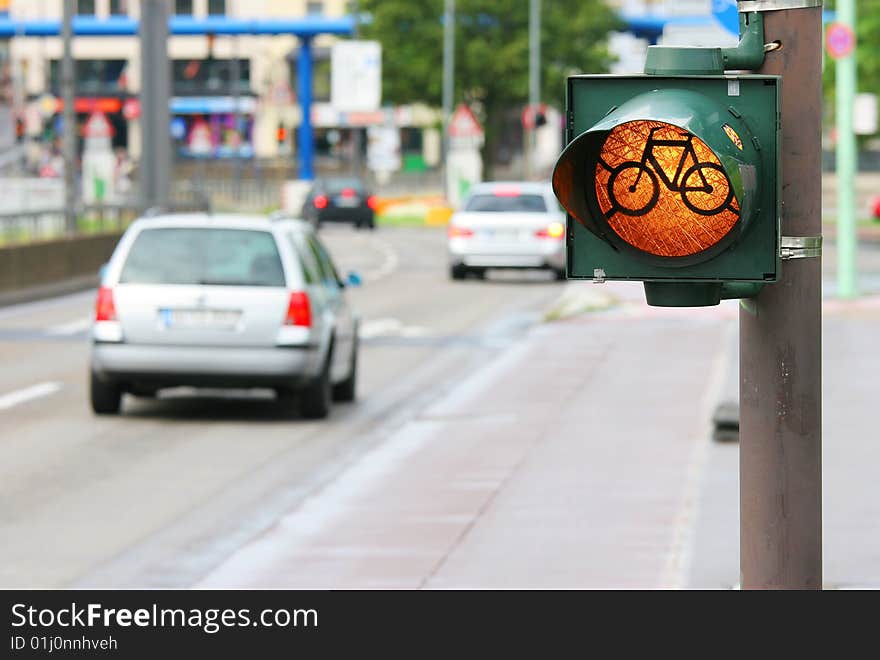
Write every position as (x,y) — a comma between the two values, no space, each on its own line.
(673,180)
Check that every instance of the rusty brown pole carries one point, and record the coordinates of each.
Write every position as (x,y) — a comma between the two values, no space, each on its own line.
(781,344)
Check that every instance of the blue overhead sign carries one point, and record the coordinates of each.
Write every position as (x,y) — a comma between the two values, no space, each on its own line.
(726,14)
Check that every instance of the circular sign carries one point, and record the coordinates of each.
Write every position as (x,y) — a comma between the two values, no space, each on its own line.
(178,128)
(529,113)
(131,109)
(840,40)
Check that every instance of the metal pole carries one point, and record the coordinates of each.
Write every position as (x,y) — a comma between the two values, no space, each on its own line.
(781,346)
(235,76)
(534,81)
(155,91)
(448,81)
(846,161)
(306,151)
(68,145)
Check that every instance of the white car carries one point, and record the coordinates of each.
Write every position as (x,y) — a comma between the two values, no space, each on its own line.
(223,301)
(507,225)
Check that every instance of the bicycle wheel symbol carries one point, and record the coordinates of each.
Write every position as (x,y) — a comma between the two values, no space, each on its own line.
(703,185)
(633,189)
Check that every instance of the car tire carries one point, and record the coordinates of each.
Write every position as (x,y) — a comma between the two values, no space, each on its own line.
(478,273)
(458,272)
(559,273)
(316,398)
(106,398)
(346,390)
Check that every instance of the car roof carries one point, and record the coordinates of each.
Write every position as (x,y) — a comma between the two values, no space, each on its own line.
(218,220)
(527,187)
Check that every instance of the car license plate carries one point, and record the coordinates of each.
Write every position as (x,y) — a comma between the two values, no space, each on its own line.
(347,202)
(217,319)
(500,234)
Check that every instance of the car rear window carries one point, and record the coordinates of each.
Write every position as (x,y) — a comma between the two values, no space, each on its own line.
(336,186)
(506,203)
(226,257)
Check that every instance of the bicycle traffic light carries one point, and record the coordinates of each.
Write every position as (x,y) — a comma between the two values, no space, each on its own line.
(673,180)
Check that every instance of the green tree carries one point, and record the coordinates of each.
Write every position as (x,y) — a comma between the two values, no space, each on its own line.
(491,52)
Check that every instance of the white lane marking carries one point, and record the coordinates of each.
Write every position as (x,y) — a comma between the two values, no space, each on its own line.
(680,555)
(71,327)
(389,327)
(389,260)
(28,394)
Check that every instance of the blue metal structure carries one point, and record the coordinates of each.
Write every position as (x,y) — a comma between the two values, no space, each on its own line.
(303,28)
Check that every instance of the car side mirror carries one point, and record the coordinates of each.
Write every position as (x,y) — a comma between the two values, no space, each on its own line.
(353,279)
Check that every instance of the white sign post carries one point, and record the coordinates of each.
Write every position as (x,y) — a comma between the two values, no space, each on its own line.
(464,167)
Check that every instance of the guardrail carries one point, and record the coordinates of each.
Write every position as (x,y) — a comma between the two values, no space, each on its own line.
(21,227)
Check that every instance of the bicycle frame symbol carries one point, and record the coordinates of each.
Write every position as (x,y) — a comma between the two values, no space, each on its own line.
(693,184)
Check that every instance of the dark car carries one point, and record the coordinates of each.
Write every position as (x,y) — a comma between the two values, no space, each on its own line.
(344,199)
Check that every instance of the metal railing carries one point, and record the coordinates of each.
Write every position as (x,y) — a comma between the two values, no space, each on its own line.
(47,224)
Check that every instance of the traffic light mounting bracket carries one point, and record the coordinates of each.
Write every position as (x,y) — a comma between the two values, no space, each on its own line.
(748,55)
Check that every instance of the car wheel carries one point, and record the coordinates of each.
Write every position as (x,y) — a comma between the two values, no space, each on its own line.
(559,273)
(478,273)
(345,391)
(457,272)
(106,398)
(315,399)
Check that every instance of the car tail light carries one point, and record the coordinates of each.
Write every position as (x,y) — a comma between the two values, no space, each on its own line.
(553,230)
(320,202)
(372,202)
(299,311)
(459,232)
(507,191)
(105,310)
(348,192)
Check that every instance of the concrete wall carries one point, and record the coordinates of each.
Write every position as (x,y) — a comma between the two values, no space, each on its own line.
(48,268)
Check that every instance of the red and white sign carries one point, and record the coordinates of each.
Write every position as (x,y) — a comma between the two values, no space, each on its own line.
(131,109)
(464,124)
(840,40)
(97,126)
(200,140)
(528,115)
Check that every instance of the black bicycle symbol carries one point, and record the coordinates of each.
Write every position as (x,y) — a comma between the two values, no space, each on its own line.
(693,184)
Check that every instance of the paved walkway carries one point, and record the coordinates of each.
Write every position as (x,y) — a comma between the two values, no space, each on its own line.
(581,458)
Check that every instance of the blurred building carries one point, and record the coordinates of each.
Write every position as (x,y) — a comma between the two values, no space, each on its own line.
(219,83)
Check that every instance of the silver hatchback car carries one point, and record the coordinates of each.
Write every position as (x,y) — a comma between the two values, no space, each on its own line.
(226,301)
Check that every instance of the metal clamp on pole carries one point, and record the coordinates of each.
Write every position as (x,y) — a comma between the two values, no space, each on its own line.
(800,247)
(745,6)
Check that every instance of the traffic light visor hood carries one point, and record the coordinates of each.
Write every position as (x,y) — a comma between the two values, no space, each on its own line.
(669,173)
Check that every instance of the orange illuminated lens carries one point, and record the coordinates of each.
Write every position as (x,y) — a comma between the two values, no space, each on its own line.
(663,190)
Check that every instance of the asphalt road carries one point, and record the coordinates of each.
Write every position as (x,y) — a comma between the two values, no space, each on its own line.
(160,495)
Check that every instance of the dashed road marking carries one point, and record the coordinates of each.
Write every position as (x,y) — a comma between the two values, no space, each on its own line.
(28,394)
(389,327)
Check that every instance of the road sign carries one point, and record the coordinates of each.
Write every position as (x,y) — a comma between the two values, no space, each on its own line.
(726,13)
(97,127)
(840,40)
(672,180)
(529,114)
(356,76)
(131,109)
(464,124)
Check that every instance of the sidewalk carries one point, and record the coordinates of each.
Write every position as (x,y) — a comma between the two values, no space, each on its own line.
(581,458)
